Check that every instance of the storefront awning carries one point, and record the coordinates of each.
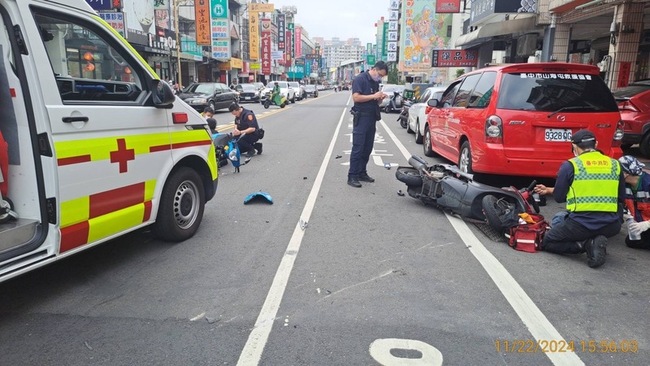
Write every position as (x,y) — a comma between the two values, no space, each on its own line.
(490,30)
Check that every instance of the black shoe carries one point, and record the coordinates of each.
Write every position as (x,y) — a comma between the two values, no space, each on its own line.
(258,147)
(354,182)
(596,250)
(249,153)
(366,178)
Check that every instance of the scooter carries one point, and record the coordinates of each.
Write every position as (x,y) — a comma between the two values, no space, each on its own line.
(454,191)
(278,100)
(227,150)
(395,103)
(403,117)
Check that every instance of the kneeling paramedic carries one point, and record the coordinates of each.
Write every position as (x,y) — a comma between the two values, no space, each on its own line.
(637,201)
(593,187)
(246,123)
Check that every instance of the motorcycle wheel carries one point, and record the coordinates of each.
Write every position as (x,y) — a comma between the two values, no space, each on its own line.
(403,122)
(266,104)
(6,205)
(410,176)
(283,105)
(494,209)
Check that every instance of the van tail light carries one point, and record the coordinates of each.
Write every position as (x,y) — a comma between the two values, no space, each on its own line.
(494,130)
(179,118)
(618,134)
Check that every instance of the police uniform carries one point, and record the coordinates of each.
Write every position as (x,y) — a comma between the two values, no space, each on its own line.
(593,187)
(248,143)
(363,132)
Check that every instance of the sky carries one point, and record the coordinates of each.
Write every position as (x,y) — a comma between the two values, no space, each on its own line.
(338,18)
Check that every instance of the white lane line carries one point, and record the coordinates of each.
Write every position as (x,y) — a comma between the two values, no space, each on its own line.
(536,322)
(256,342)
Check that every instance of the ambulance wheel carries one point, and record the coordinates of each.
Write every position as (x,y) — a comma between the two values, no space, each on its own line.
(181,206)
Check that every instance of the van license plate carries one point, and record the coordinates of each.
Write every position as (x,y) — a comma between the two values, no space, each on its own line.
(557,135)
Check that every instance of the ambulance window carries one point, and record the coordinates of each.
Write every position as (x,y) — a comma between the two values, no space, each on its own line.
(6,44)
(86,66)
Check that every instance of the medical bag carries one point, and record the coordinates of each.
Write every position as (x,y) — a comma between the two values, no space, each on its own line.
(528,236)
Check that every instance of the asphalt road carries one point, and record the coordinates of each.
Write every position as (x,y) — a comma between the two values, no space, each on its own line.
(327,275)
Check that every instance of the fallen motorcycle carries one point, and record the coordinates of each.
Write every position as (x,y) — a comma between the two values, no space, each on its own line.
(448,188)
(227,150)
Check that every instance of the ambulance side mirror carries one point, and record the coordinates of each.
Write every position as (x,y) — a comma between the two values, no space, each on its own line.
(163,95)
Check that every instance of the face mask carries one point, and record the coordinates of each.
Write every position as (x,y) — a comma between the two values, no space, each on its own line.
(376,78)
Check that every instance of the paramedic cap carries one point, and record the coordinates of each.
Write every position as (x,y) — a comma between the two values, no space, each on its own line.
(583,136)
(631,165)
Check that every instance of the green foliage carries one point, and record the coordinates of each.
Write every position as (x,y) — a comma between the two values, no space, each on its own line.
(459,72)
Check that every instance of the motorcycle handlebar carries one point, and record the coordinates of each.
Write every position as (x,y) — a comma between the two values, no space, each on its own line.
(531,186)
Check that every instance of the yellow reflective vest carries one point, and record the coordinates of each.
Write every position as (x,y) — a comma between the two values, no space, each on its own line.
(595,183)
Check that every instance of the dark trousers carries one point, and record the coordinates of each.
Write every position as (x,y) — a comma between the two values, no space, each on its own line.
(644,243)
(363,139)
(565,233)
(246,143)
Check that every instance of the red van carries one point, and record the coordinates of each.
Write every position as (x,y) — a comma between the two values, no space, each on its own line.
(517,119)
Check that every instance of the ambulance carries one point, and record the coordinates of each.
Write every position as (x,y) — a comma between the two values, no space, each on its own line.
(93,144)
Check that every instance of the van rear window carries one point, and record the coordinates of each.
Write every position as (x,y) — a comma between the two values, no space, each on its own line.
(551,92)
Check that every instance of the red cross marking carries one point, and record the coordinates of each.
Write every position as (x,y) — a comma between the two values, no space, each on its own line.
(122,155)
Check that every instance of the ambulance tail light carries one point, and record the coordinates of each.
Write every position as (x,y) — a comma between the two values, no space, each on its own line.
(180,118)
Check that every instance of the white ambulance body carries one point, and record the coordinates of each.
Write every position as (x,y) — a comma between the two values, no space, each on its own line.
(97,145)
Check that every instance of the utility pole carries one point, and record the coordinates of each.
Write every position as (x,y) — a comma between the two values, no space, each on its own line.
(177,4)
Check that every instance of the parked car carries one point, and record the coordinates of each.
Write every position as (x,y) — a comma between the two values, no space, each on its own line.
(311,91)
(519,118)
(634,105)
(248,93)
(259,85)
(298,89)
(389,89)
(417,121)
(215,95)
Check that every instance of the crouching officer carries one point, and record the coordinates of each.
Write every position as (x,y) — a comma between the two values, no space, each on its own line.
(246,123)
(593,188)
(366,96)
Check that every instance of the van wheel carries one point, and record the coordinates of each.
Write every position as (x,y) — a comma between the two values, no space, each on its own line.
(426,143)
(181,206)
(644,145)
(465,158)
(212,105)
(418,135)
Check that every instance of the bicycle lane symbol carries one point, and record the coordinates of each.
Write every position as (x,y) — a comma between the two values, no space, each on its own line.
(377,155)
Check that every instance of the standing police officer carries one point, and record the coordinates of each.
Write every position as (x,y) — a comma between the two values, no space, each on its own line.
(367,97)
(593,187)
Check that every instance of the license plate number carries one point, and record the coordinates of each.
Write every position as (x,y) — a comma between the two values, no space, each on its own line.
(247,98)
(557,135)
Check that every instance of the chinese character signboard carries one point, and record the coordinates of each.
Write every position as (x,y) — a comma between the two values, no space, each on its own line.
(422,31)
(202,15)
(454,58)
(115,20)
(219,29)
(254,35)
(281,31)
(221,49)
(266,52)
(298,33)
(447,6)
(262,8)
(292,49)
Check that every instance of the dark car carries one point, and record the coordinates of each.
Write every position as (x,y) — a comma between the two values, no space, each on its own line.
(311,91)
(215,95)
(248,93)
(634,105)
